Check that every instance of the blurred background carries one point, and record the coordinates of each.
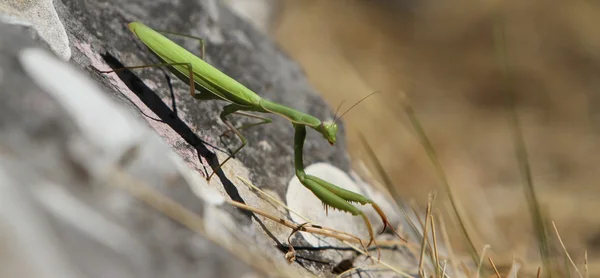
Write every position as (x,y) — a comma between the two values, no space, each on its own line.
(442,55)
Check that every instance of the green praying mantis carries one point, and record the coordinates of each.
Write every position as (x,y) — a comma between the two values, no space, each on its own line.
(213,84)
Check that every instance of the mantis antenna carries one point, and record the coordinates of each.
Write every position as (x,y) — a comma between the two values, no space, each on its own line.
(338,110)
(354,105)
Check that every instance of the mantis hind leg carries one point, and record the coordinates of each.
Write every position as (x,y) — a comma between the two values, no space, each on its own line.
(263,120)
(233,109)
(187,65)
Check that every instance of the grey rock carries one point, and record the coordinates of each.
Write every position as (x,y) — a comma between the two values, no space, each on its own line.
(60,216)
(41,16)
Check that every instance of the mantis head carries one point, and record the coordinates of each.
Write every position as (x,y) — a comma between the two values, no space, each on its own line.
(329,130)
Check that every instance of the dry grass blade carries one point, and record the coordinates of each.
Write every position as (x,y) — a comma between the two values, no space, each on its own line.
(465,269)
(514,269)
(436,260)
(566,252)
(415,211)
(585,263)
(444,269)
(480,263)
(306,227)
(290,256)
(425,230)
(424,140)
(363,268)
(448,245)
(421,236)
(270,198)
(521,151)
(566,265)
(387,181)
(343,274)
(494,267)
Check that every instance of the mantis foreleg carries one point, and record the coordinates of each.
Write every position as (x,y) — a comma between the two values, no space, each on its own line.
(330,194)
(321,188)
